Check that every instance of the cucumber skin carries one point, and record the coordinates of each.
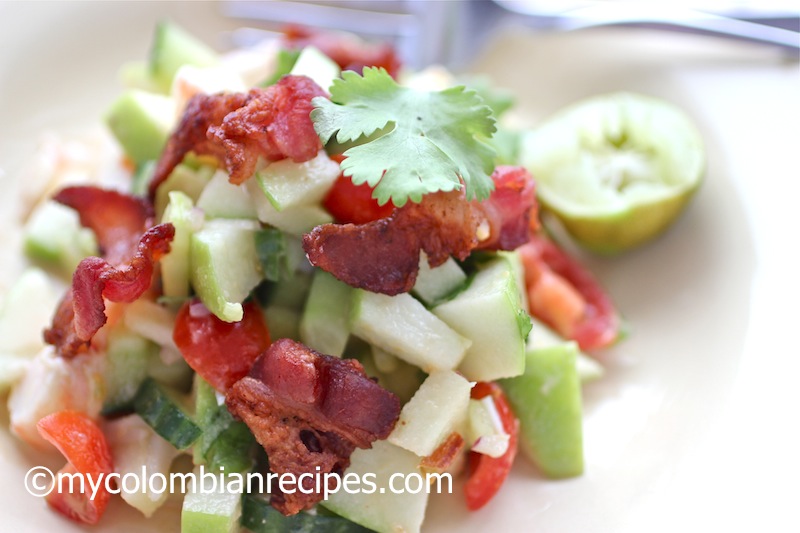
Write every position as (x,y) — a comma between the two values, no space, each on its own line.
(259,516)
(161,412)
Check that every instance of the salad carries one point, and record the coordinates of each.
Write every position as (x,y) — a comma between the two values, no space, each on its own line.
(281,286)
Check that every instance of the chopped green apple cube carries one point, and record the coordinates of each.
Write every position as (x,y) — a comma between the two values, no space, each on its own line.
(434,284)
(317,66)
(543,337)
(54,237)
(222,199)
(225,266)
(188,180)
(288,184)
(173,47)
(141,123)
(402,326)
(381,509)
(175,265)
(437,409)
(295,220)
(489,312)
(547,401)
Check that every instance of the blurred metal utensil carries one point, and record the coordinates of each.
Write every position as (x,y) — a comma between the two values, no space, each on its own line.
(451,32)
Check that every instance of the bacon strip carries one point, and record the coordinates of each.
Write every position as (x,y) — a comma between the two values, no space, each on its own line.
(511,208)
(310,411)
(237,129)
(383,256)
(122,275)
(117,220)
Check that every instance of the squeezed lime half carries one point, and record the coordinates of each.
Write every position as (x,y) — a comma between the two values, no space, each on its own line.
(615,169)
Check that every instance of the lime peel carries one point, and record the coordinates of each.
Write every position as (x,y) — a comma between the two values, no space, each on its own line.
(617,169)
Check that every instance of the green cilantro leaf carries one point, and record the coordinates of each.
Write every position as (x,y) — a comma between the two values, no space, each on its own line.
(432,142)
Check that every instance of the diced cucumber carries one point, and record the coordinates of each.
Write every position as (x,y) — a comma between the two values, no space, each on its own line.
(437,409)
(290,293)
(434,284)
(184,178)
(489,312)
(54,237)
(225,266)
(175,266)
(135,448)
(127,359)
(162,410)
(295,220)
(325,323)
(224,442)
(547,401)
(402,326)
(222,199)
(172,48)
(317,66)
(288,184)
(26,310)
(382,510)
(259,516)
(284,322)
(141,123)
(211,507)
(273,253)
(543,337)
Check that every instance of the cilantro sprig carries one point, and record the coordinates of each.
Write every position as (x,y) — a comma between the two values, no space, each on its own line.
(409,142)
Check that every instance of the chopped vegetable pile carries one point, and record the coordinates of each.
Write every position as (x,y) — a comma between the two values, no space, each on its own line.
(315,265)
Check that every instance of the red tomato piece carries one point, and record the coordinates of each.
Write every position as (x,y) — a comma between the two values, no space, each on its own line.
(583,312)
(220,352)
(82,443)
(489,473)
(353,204)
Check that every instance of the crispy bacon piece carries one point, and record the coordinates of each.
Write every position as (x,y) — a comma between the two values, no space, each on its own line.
(123,274)
(310,411)
(445,454)
(117,220)
(347,50)
(383,255)
(237,129)
(202,111)
(511,209)
(81,312)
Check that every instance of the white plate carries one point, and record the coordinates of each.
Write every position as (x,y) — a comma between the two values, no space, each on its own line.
(694,428)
